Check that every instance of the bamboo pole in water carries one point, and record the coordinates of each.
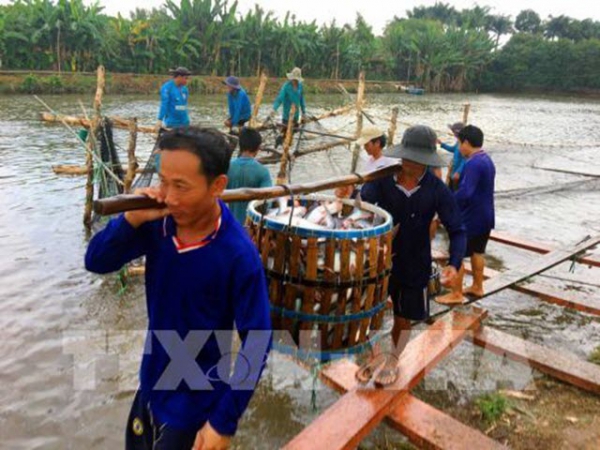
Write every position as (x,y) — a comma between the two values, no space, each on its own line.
(393,126)
(359,118)
(258,100)
(117,122)
(89,186)
(466,109)
(129,202)
(132,163)
(287,143)
(66,169)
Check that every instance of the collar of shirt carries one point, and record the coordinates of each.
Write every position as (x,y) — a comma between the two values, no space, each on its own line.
(413,191)
(170,229)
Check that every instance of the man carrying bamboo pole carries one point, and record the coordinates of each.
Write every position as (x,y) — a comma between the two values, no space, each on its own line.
(238,104)
(413,196)
(203,277)
(174,95)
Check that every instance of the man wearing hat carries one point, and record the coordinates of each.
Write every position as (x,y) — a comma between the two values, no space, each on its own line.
(173,111)
(238,102)
(458,160)
(413,196)
(373,139)
(291,93)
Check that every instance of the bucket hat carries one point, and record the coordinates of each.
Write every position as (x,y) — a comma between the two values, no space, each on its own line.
(295,74)
(418,145)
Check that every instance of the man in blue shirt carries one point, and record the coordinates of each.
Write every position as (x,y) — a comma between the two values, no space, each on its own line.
(245,171)
(475,198)
(413,196)
(173,111)
(238,103)
(203,276)
(458,160)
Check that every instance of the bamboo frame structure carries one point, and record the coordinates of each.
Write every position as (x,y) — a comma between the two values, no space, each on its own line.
(91,143)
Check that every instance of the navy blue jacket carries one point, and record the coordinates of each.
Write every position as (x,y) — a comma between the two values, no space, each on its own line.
(192,292)
(412,247)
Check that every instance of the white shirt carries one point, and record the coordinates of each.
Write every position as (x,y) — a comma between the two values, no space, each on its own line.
(370,164)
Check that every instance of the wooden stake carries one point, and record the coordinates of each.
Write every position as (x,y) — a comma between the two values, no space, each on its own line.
(393,126)
(89,186)
(466,109)
(359,118)
(258,100)
(132,163)
(282,175)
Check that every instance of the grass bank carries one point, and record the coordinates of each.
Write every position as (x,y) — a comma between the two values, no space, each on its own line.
(120,83)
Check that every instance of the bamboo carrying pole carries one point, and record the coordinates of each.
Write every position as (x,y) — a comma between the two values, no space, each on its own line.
(282,175)
(132,163)
(129,202)
(258,100)
(393,126)
(89,186)
(359,118)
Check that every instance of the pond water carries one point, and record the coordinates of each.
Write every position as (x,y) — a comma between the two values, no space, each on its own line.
(70,342)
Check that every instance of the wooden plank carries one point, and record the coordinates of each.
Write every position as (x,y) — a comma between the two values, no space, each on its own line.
(357,413)
(537,247)
(422,424)
(357,292)
(531,268)
(559,364)
(583,303)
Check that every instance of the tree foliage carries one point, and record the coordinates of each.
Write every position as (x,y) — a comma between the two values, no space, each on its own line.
(437,47)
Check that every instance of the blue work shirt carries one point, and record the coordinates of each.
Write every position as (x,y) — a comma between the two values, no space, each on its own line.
(458,160)
(174,105)
(411,263)
(475,194)
(246,172)
(194,291)
(288,96)
(239,106)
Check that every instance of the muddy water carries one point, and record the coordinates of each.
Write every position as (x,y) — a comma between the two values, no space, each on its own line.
(69,346)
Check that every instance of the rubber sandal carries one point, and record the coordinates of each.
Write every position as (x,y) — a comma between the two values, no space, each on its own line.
(367,370)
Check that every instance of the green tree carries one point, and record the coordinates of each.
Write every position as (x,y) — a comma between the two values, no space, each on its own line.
(528,21)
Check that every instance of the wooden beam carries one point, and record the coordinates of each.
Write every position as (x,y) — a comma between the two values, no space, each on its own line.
(422,424)
(531,268)
(357,413)
(582,303)
(117,122)
(558,364)
(537,247)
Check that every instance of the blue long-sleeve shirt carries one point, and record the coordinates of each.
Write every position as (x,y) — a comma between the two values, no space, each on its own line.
(475,194)
(411,263)
(239,106)
(190,293)
(173,109)
(246,172)
(458,160)
(288,96)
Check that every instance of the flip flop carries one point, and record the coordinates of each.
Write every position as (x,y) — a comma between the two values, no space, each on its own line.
(387,375)
(367,370)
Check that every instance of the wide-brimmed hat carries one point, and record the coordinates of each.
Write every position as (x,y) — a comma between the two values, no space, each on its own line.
(368,134)
(418,145)
(232,82)
(456,127)
(180,71)
(295,74)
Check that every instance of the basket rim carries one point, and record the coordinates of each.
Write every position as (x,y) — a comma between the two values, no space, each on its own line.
(379,230)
